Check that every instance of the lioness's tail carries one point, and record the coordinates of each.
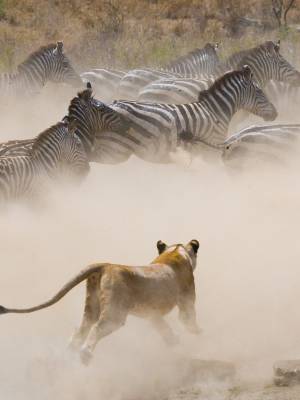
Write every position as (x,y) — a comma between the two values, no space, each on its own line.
(84,274)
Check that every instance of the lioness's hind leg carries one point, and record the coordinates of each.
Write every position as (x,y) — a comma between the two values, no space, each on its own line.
(110,320)
(91,312)
(164,330)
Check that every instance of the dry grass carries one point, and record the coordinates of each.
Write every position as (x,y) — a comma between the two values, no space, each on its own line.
(129,33)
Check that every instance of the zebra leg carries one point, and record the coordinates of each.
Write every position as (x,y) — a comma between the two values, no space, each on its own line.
(91,313)
(112,317)
(163,328)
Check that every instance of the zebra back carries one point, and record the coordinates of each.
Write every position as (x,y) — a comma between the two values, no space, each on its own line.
(197,62)
(174,91)
(20,147)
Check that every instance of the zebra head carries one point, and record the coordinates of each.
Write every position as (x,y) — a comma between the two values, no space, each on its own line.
(62,70)
(93,117)
(73,160)
(267,63)
(282,69)
(252,98)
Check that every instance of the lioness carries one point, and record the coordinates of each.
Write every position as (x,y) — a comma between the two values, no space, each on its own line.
(113,291)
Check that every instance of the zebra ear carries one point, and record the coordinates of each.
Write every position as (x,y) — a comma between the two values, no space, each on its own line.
(277,46)
(217,45)
(247,72)
(161,246)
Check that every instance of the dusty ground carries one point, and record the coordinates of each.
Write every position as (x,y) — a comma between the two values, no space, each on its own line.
(247,221)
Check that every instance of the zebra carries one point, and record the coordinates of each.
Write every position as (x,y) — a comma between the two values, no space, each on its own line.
(265,61)
(157,129)
(94,118)
(56,152)
(203,61)
(49,63)
(198,63)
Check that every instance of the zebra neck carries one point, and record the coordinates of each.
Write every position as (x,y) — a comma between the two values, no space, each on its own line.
(223,105)
(46,155)
(30,78)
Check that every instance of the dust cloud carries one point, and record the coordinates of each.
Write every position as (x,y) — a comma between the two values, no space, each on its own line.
(245,215)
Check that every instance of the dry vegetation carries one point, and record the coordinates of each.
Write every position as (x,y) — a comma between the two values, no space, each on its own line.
(127,33)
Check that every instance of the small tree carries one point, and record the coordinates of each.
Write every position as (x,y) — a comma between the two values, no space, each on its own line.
(281,9)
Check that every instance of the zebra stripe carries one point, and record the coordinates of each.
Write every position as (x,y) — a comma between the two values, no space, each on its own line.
(177,91)
(49,63)
(56,152)
(198,62)
(158,128)
(92,117)
(266,62)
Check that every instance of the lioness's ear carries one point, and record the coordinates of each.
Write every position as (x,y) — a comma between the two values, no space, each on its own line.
(161,246)
(195,245)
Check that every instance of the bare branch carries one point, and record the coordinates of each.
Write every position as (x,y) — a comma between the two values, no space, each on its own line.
(287,8)
(277,10)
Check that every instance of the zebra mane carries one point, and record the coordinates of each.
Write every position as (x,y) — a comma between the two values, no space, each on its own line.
(37,53)
(207,49)
(219,83)
(43,137)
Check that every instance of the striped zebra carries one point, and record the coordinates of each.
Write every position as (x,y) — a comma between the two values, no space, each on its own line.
(93,118)
(49,63)
(265,61)
(203,61)
(200,62)
(157,129)
(56,152)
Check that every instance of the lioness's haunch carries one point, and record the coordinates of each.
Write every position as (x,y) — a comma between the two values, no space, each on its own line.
(113,291)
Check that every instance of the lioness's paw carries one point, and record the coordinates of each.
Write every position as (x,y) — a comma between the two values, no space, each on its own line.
(85,356)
